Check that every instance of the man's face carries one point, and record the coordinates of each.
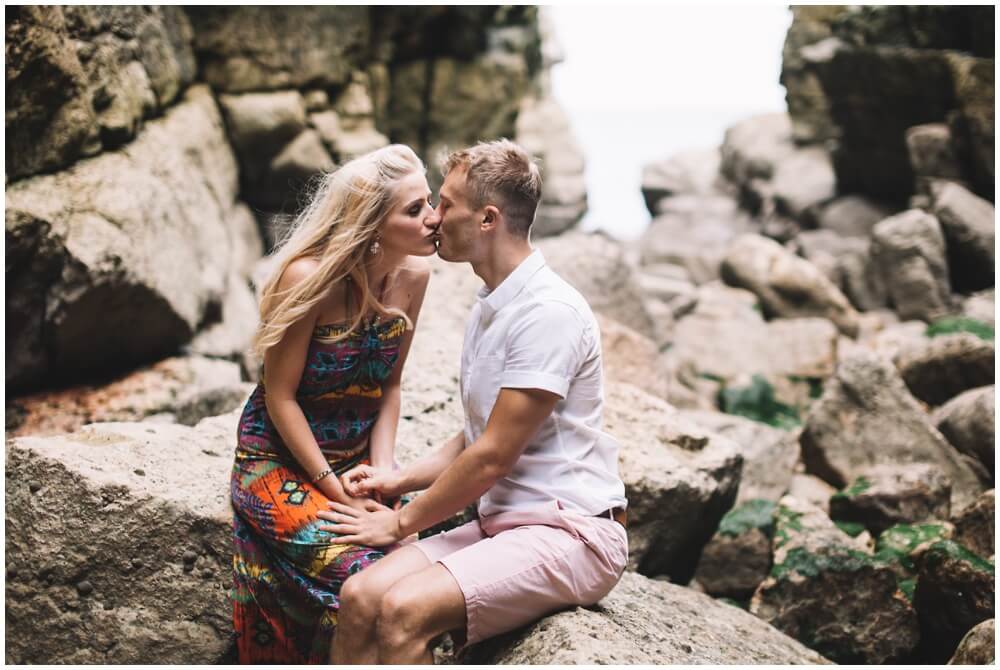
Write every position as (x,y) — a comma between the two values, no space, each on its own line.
(458,233)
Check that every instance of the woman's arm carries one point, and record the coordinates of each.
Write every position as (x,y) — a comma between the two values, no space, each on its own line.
(283,365)
(383,435)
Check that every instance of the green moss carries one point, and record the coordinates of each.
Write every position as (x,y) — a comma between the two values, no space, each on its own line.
(709,376)
(852,528)
(945,549)
(756,513)
(858,486)
(784,521)
(833,559)
(907,586)
(906,537)
(757,402)
(815,385)
(960,324)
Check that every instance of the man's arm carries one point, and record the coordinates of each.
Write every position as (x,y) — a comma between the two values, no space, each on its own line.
(516,417)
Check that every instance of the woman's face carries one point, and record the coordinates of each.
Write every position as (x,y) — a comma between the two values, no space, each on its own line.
(411,226)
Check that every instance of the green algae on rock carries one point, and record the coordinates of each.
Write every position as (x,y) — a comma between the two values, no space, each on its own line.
(960,324)
(756,513)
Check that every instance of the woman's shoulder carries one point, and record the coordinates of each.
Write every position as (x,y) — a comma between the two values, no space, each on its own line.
(298,271)
(415,269)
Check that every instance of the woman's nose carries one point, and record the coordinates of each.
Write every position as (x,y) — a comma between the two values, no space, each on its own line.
(432,220)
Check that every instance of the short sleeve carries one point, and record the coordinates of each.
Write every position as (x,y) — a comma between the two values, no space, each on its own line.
(544,346)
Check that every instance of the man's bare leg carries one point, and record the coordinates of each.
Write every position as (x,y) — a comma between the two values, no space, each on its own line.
(355,640)
(415,611)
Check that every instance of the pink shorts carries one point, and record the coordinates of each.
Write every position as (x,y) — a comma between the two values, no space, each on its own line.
(515,567)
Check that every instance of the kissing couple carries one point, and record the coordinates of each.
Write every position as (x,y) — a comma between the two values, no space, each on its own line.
(326,567)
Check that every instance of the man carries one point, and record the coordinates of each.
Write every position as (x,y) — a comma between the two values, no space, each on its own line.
(551,506)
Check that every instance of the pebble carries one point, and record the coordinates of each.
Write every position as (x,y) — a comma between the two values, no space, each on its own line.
(207,573)
(34,486)
(140,472)
(190,557)
(85,588)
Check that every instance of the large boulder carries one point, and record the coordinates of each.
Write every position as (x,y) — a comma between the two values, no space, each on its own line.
(852,215)
(887,495)
(645,622)
(867,417)
(80,242)
(968,422)
(695,171)
(978,647)
(969,226)
(738,557)
(937,369)
(151,531)
(827,591)
(788,286)
(82,79)
(846,262)
(909,248)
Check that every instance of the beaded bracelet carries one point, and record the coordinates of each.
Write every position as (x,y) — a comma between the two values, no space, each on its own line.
(320,476)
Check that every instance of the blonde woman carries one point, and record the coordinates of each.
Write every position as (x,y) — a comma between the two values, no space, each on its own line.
(337,319)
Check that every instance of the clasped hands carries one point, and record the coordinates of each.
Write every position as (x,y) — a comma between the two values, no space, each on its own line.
(365,521)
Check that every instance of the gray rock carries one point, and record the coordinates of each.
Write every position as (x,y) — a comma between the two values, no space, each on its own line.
(803,181)
(909,249)
(969,226)
(866,417)
(937,369)
(301,158)
(688,172)
(886,495)
(738,557)
(812,490)
(80,240)
(752,148)
(932,152)
(975,526)
(360,140)
(978,647)
(643,621)
(852,215)
(157,612)
(846,262)
(826,590)
(968,422)
(981,306)
(260,124)
(788,286)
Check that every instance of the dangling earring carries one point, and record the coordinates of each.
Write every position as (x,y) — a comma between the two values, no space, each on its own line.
(375,246)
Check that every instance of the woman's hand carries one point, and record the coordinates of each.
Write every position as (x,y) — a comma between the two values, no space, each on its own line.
(364,480)
(373,526)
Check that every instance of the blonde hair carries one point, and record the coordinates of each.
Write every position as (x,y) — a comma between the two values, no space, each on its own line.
(503,174)
(336,227)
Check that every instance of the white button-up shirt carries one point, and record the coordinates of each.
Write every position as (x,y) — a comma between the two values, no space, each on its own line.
(536,331)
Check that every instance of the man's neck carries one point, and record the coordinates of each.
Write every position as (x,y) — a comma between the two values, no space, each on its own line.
(503,259)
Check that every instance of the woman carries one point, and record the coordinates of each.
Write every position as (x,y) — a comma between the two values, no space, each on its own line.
(337,319)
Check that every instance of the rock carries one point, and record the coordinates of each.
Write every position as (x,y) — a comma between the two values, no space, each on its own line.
(969,226)
(357,142)
(260,124)
(752,148)
(975,526)
(328,41)
(901,546)
(955,591)
(82,79)
(866,417)
(787,286)
(803,181)
(300,159)
(693,231)
(738,557)
(159,612)
(828,592)
(939,368)
(852,215)
(543,129)
(981,306)
(595,265)
(170,385)
(646,622)
(967,422)
(679,480)
(978,647)
(909,248)
(811,490)
(932,152)
(688,172)
(845,261)
(230,336)
(80,241)
(769,454)
(886,495)
(634,359)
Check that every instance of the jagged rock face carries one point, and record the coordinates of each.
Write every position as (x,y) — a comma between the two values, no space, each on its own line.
(82,79)
(969,226)
(975,526)
(978,647)
(150,528)
(738,557)
(646,622)
(883,496)
(924,65)
(968,422)
(866,417)
(153,269)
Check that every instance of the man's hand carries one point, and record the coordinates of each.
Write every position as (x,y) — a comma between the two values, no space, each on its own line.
(374,526)
(364,480)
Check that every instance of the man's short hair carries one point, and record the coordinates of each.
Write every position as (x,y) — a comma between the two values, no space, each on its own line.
(502,174)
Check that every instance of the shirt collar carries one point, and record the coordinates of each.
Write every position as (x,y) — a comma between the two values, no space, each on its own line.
(493,301)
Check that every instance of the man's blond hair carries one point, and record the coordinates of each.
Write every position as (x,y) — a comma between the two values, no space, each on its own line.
(502,174)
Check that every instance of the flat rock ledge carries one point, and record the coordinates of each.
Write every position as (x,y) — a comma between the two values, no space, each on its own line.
(644,621)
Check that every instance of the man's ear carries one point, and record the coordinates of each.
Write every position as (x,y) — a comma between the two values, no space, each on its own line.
(491,218)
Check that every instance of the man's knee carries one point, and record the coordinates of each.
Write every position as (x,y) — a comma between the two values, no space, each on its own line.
(401,616)
(360,596)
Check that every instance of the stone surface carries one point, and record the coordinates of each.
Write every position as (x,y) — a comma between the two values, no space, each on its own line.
(812,490)
(643,621)
(695,171)
(788,286)
(143,496)
(969,226)
(909,248)
(852,215)
(968,422)
(79,241)
(939,368)
(738,557)
(826,590)
(975,526)
(886,495)
(866,417)
(978,647)
(846,262)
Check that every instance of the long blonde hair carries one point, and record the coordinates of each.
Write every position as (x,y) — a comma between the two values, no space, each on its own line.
(337,228)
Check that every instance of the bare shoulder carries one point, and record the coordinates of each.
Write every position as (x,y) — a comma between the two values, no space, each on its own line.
(297,271)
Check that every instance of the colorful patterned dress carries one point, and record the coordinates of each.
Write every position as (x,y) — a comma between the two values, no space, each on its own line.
(286,573)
